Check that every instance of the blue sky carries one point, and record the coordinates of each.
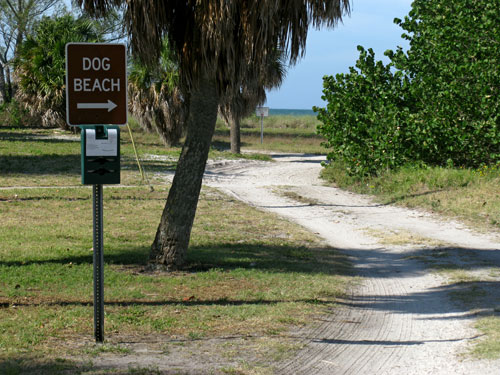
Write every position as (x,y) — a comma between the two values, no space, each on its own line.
(332,51)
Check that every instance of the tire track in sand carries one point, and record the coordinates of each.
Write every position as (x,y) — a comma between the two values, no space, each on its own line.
(400,320)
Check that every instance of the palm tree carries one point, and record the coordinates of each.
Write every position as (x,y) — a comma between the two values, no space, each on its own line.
(156,99)
(217,43)
(40,67)
(253,93)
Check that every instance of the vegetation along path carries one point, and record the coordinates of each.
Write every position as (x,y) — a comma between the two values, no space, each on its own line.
(425,281)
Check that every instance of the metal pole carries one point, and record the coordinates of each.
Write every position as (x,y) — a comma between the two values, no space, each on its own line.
(98,264)
(261,129)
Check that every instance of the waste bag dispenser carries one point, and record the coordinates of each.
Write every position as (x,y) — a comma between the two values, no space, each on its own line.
(100,155)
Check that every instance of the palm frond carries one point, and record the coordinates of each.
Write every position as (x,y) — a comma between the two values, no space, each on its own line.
(219,38)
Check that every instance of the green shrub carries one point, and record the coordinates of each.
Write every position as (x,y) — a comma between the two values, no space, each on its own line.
(13,114)
(455,82)
(438,103)
(365,120)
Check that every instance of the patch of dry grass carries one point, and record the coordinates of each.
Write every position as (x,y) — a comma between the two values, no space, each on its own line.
(401,237)
(472,196)
(290,193)
(250,274)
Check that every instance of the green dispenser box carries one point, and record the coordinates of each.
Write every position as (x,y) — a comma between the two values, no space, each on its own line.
(100,155)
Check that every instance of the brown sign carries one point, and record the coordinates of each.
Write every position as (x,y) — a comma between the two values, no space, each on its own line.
(96,84)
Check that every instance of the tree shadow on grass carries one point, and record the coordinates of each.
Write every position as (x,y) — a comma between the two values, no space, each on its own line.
(402,197)
(170,302)
(17,365)
(224,257)
(34,137)
(56,164)
(111,197)
(165,166)
(456,301)
(40,164)
(134,256)
(224,145)
(29,364)
(378,263)
(272,258)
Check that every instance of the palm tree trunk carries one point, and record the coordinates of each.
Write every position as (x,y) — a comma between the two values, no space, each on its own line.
(235,134)
(169,248)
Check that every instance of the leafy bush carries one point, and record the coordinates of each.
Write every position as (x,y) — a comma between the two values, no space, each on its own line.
(364,121)
(453,66)
(438,103)
(12,114)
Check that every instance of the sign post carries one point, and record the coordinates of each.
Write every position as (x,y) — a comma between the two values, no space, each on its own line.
(98,263)
(96,94)
(262,112)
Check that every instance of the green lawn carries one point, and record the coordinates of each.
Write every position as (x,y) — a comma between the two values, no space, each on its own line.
(282,133)
(251,274)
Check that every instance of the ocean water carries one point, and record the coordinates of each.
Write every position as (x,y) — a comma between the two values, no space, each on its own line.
(291,112)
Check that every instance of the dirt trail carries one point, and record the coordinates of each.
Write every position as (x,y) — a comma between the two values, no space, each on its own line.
(401,320)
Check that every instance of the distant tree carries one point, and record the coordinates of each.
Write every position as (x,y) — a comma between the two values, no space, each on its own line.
(17,19)
(155,97)
(215,42)
(241,103)
(40,66)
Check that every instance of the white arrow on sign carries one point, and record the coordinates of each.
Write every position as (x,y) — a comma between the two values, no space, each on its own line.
(109,105)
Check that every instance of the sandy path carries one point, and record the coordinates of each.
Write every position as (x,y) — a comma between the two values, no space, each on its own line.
(401,319)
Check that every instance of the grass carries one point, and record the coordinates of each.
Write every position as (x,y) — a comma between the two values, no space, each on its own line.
(490,345)
(251,275)
(48,157)
(307,122)
(48,261)
(472,196)
(288,192)
(401,237)
(282,133)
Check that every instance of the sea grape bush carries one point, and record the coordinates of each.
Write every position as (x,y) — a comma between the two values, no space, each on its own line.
(453,65)
(438,103)
(365,120)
